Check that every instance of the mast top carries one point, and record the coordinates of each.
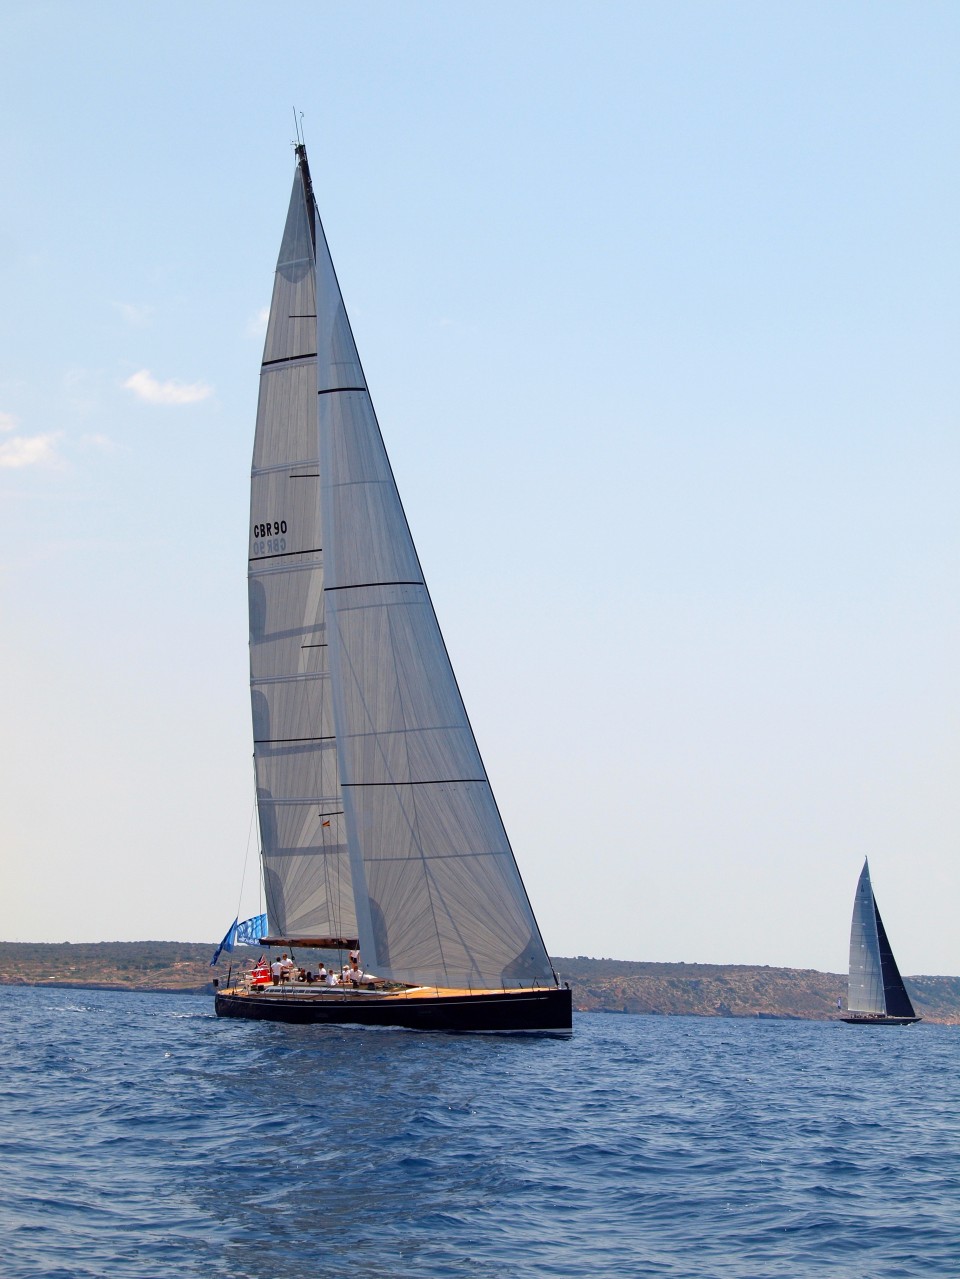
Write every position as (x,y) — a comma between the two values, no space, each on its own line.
(300,148)
(309,197)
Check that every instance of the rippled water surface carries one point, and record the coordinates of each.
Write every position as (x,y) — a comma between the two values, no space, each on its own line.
(142,1136)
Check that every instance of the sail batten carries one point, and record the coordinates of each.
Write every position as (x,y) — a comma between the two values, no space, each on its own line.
(289,359)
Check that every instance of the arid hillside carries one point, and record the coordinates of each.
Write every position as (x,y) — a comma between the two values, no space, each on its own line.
(716,990)
(124,965)
(599,985)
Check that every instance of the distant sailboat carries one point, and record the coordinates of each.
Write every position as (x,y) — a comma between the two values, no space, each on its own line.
(379,830)
(876,994)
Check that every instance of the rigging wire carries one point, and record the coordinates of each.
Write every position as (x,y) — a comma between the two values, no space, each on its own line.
(246,858)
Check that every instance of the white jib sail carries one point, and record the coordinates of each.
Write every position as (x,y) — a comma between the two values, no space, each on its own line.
(438,894)
(865,989)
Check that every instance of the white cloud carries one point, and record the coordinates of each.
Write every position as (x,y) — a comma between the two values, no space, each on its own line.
(136,316)
(7,422)
(144,385)
(102,443)
(258,323)
(83,391)
(30,450)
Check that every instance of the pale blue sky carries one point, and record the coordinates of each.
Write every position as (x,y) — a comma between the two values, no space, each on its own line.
(658,307)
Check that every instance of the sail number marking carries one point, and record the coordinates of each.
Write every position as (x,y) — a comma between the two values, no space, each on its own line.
(270,538)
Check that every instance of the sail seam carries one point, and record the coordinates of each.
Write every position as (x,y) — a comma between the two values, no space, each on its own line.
(283,555)
(289,359)
(263,680)
(279,467)
(359,735)
(431,781)
(315,850)
(300,801)
(361,586)
(276,741)
(442,857)
(333,390)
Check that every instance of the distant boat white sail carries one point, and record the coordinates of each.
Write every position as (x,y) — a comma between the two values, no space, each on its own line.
(876,994)
(379,828)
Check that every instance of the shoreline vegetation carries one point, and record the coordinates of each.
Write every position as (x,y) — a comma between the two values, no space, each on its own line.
(599,985)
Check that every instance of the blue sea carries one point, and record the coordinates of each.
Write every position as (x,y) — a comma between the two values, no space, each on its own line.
(142,1136)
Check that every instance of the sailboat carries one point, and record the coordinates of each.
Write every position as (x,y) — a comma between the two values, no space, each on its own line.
(876,994)
(379,831)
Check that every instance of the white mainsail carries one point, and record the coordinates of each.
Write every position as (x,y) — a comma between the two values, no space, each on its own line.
(369,732)
(305,859)
(865,986)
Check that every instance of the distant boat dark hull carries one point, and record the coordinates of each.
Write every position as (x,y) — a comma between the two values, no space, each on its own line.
(870,1019)
(547,1011)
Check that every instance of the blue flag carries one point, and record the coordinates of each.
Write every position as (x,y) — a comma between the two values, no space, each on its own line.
(246,934)
(251,930)
(227,944)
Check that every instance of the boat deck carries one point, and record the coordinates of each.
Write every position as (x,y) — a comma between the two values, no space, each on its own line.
(878,1019)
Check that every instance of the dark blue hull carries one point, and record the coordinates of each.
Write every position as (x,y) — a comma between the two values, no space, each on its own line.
(547,1011)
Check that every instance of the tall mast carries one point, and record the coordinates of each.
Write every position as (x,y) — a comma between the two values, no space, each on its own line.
(309,198)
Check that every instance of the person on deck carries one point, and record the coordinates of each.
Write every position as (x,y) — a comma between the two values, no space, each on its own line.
(276,972)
